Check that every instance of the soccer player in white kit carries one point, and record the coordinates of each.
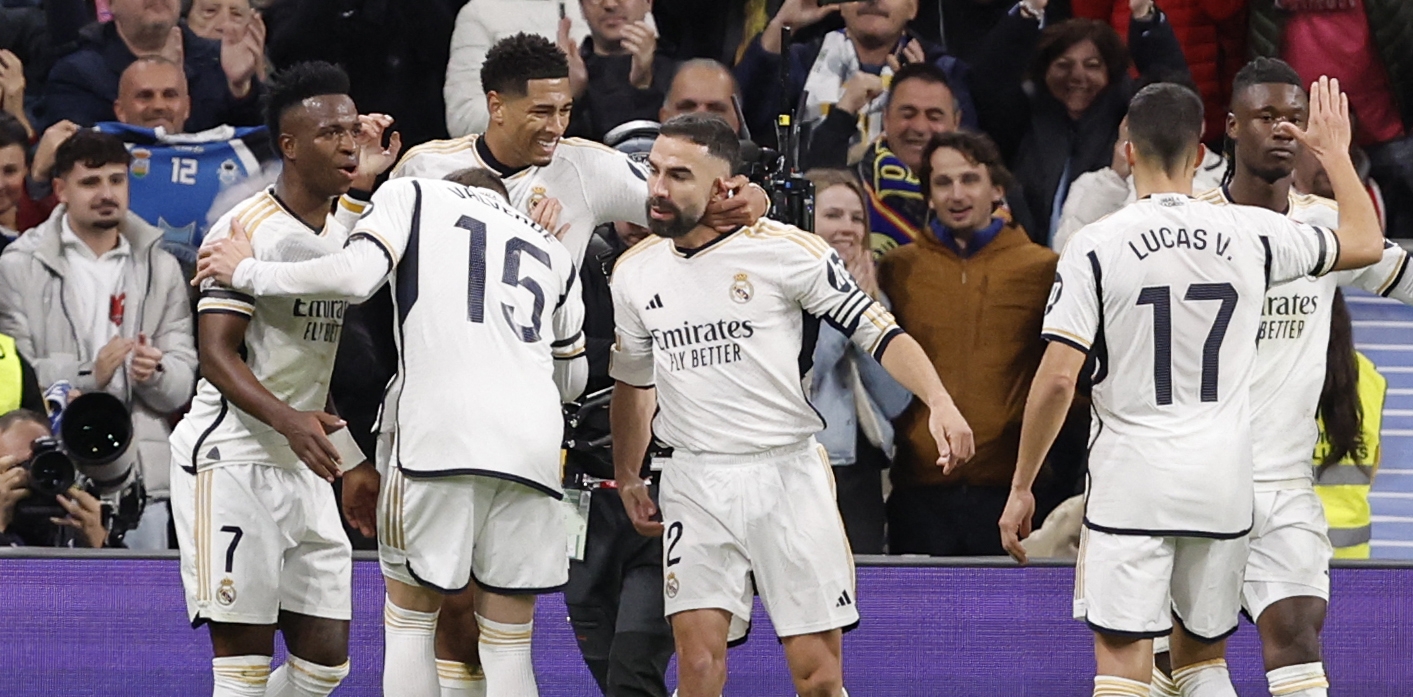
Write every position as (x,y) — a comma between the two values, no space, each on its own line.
(715,332)
(526,81)
(1168,294)
(489,344)
(262,547)
(1287,586)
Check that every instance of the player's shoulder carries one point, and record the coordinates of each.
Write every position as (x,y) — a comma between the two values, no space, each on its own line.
(1214,196)
(647,248)
(262,212)
(433,149)
(787,240)
(1314,210)
(580,149)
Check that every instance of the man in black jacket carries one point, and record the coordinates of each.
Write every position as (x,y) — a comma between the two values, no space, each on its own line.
(617,73)
(615,589)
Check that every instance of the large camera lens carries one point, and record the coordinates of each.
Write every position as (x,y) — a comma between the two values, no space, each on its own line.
(50,472)
(96,428)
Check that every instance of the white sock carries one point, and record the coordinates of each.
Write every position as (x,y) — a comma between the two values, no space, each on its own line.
(1304,680)
(1205,679)
(301,678)
(458,680)
(240,676)
(1162,685)
(1112,686)
(505,657)
(409,653)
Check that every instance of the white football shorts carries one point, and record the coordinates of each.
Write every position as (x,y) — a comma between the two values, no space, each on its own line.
(258,539)
(765,522)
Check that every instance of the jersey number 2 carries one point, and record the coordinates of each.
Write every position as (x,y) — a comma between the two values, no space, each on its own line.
(1160,297)
(476,279)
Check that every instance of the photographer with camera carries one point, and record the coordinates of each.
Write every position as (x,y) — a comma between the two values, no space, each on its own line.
(81,525)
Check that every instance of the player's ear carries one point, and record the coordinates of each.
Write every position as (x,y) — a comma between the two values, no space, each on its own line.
(720,189)
(1231,125)
(495,106)
(1201,154)
(286,144)
(1130,154)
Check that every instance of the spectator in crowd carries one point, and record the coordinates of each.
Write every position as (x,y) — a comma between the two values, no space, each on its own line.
(1211,33)
(12,89)
(855,395)
(616,73)
(920,104)
(973,292)
(1368,45)
(873,44)
(479,25)
(1096,194)
(208,19)
(702,85)
(961,26)
(1066,122)
(176,177)
(125,325)
(20,210)
(83,85)
(84,514)
(23,35)
(395,53)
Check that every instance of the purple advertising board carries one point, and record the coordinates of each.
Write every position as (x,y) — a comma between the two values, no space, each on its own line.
(85,626)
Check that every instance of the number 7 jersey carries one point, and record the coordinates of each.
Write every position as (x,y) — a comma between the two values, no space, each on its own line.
(485,303)
(1167,294)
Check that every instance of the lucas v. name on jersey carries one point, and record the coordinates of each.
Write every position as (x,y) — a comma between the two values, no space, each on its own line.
(1164,238)
(325,317)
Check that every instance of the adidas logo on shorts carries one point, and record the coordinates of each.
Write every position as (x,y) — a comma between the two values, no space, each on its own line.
(844,600)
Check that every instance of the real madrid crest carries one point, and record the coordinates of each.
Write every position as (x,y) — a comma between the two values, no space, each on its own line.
(226,593)
(741,289)
(537,194)
(672,585)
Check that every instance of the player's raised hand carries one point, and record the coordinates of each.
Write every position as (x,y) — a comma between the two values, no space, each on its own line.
(373,157)
(546,212)
(955,443)
(360,498)
(1015,522)
(1328,131)
(640,507)
(307,433)
(219,257)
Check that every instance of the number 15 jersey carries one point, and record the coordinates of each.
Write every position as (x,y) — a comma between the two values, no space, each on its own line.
(1167,293)
(485,303)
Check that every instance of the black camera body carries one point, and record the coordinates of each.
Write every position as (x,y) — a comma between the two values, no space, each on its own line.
(91,450)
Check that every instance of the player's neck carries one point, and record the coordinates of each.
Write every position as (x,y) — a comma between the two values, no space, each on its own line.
(1148,180)
(502,150)
(1248,189)
(305,204)
(699,237)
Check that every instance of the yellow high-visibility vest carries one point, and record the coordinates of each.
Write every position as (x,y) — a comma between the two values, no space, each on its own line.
(1344,486)
(12,386)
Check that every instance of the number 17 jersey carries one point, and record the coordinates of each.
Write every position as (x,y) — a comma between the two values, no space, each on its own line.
(1167,294)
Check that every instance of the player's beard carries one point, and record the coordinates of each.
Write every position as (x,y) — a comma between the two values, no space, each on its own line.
(676,226)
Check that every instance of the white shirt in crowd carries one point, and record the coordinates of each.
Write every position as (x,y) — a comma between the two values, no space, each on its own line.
(97,283)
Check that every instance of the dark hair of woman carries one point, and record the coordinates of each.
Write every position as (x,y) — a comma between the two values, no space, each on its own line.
(1339,400)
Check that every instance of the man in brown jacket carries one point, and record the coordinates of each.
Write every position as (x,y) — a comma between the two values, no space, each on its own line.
(973,293)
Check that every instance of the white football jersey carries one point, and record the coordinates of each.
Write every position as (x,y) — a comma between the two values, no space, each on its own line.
(726,333)
(485,302)
(594,183)
(1168,294)
(290,343)
(1294,336)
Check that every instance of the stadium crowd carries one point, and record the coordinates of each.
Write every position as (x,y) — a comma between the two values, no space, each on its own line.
(1035,92)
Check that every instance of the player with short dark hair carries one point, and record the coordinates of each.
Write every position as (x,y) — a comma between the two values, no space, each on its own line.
(262,545)
(711,330)
(1286,585)
(1170,501)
